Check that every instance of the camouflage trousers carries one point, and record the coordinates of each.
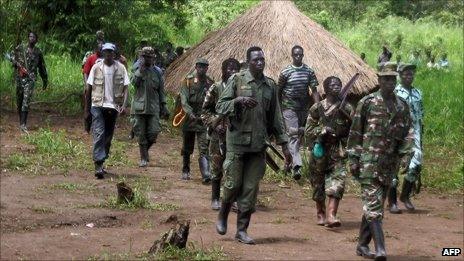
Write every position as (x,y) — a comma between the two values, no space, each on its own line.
(242,174)
(217,160)
(146,128)
(327,177)
(373,194)
(188,142)
(24,91)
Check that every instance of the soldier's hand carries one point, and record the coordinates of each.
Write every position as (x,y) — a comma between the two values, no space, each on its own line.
(247,102)
(220,129)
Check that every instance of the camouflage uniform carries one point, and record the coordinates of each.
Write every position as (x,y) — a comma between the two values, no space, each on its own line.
(192,96)
(414,99)
(327,174)
(32,61)
(211,119)
(378,139)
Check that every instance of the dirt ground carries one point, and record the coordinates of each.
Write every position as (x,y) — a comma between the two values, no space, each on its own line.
(41,223)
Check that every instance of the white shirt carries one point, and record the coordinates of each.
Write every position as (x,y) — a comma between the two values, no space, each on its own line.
(108,72)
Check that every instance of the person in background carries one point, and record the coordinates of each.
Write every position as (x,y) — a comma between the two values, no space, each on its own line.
(27,59)
(105,98)
(363,57)
(384,57)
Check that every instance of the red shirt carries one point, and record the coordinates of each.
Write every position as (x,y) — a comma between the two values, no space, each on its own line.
(89,63)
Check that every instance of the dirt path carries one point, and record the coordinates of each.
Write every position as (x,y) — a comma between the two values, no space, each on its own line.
(39,221)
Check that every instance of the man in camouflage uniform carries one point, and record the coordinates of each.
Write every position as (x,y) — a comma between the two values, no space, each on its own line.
(380,136)
(295,83)
(328,126)
(170,56)
(27,60)
(148,104)
(217,127)
(250,101)
(192,96)
(413,97)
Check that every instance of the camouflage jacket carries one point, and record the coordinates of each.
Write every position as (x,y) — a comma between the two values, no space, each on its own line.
(208,114)
(32,61)
(379,138)
(192,96)
(320,116)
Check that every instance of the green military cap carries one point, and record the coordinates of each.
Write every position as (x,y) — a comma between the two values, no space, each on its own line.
(202,61)
(406,66)
(388,69)
(148,51)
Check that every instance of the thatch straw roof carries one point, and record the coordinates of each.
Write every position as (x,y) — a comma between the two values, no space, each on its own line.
(276,26)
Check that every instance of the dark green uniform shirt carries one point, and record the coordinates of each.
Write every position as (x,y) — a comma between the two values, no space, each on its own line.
(149,94)
(192,96)
(249,129)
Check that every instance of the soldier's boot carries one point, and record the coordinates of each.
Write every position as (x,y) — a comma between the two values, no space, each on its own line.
(243,221)
(393,201)
(320,206)
(204,169)
(221,224)
(297,173)
(406,194)
(23,121)
(143,156)
(362,249)
(215,193)
(186,167)
(332,220)
(379,241)
(99,169)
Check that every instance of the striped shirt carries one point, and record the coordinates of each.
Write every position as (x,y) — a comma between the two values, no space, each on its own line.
(294,83)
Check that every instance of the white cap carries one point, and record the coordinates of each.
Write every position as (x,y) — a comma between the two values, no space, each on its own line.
(108,46)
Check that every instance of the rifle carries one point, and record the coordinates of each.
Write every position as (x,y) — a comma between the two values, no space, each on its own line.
(269,160)
(332,112)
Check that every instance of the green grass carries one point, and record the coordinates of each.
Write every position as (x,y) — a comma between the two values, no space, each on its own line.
(191,252)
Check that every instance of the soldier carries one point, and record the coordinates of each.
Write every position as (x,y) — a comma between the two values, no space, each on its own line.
(384,57)
(328,126)
(250,101)
(380,136)
(217,127)
(413,97)
(105,99)
(149,103)
(295,83)
(192,96)
(170,55)
(27,59)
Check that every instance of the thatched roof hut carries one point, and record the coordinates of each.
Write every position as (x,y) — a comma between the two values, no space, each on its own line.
(276,26)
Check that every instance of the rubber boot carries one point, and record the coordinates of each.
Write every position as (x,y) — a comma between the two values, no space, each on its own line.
(221,224)
(99,169)
(392,201)
(186,167)
(215,193)
(203,162)
(320,206)
(243,221)
(362,249)
(379,240)
(23,121)
(143,156)
(332,220)
(297,173)
(405,195)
